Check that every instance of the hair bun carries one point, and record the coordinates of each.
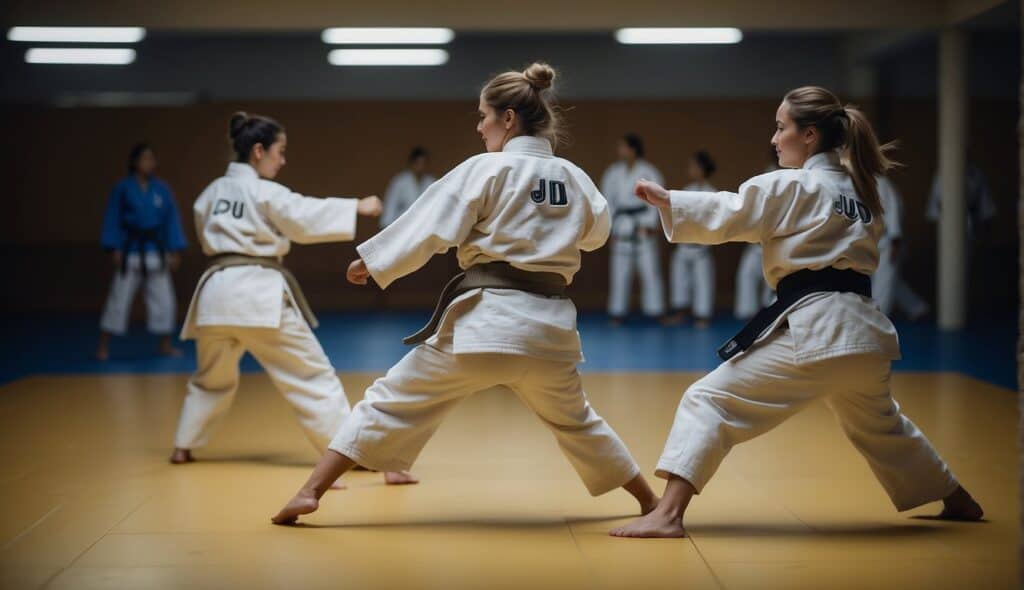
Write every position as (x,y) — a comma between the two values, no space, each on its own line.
(540,75)
(238,121)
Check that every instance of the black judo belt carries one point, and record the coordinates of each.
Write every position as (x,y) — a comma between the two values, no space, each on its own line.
(492,275)
(227,260)
(791,289)
(633,212)
(137,239)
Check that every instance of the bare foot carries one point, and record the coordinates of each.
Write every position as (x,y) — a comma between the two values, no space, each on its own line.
(180,456)
(961,506)
(304,502)
(659,525)
(702,324)
(649,507)
(399,478)
(102,353)
(170,352)
(614,322)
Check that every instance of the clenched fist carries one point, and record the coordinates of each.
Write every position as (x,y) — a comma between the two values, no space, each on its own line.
(652,192)
(370,206)
(357,272)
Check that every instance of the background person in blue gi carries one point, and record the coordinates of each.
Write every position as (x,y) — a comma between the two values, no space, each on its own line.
(692,278)
(634,225)
(407,186)
(142,232)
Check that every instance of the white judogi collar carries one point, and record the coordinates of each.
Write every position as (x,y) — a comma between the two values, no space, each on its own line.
(529,144)
(241,170)
(823,161)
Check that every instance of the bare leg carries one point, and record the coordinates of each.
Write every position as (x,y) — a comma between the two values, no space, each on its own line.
(643,493)
(331,466)
(167,348)
(961,506)
(180,456)
(665,521)
(103,347)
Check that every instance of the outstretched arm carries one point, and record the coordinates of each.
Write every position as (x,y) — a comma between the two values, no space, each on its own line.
(712,217)
(310,220)
(441,218)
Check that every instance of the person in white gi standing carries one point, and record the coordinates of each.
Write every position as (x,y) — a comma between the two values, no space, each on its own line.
(634,248)
(889,289)
(247,301)
(519,217)
(692,276)
(406,186)
(820,225)
(752,291)
(887,277)
(142,231)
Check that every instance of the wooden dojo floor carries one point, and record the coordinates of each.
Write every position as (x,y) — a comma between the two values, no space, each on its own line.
(90,502)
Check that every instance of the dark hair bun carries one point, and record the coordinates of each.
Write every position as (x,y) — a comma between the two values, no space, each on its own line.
(540,75)
(237,123)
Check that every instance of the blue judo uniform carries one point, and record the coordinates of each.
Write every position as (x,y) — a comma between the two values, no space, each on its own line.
(144,226)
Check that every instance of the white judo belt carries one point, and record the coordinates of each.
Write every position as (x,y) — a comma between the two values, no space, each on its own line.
(222,261)
(791,289)
(492,275)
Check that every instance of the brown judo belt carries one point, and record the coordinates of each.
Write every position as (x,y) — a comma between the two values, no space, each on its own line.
(492,275)
(222,261)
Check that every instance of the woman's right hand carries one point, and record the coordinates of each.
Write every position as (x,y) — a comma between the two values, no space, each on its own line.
(357,273)
(370,206)
(653,193)
(117,257)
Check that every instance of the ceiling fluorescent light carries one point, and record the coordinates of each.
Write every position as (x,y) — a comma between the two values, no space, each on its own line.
(671,36)
(387,57)
(77,34)
(116,57)
(387,35)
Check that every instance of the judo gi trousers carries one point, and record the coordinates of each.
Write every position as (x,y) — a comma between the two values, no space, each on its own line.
(693,281)
(402,410)
(628,256)
(889,289)
(161,303)
(883,282)
(756,391)
(295,362)
(752,292)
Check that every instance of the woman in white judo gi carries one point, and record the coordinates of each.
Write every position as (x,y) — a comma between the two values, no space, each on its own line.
(635,247)
(142,231)
(248,301)
(693,267)
(519,217)
(820,225)
(407,186)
